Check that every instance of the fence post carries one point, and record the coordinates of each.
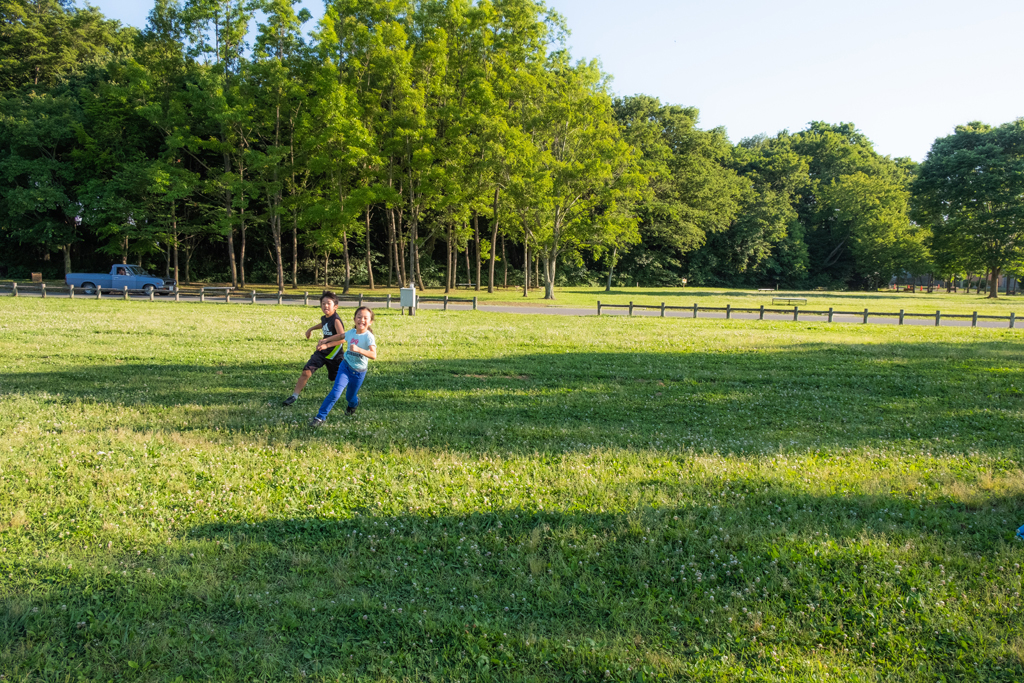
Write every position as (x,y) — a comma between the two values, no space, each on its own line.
(417,304)
(865,316)
(761,317)
(177,294)
(252,297)
(631,308)
(445,306)
(280,297)
(694,310)
(71,291)
(389,302)
(1013,316)
(901,316)
(474,303)
(599,307)
(227,296)
(796,313)
(830,313)
(938,317)
(728,311)
(126,292)
(99,292)
(202,295)
(43,289)
(305,298)
(974,320)
(662,309)
(360,300)
(14,289)
(151,290)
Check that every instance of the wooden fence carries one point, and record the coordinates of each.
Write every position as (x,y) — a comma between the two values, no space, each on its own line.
(728,309)
(225,294)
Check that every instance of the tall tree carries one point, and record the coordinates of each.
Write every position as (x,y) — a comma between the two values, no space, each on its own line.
(969,192)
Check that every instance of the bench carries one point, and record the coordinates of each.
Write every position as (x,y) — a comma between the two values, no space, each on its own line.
(463,285)
(787,300)
(765,290)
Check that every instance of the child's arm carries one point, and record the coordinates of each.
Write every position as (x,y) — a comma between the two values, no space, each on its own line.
(370,353)
(310,330)
(335,339)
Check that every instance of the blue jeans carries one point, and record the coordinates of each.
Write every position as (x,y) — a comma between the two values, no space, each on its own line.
(347,377)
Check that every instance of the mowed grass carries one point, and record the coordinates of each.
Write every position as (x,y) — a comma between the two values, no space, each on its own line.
(518,498)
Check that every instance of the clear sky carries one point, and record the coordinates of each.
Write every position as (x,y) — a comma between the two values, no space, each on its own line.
(904,72)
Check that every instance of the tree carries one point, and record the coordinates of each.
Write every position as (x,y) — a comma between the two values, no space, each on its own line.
(872,211)
(691,192)
(581,172)
(39,181)
(970,192)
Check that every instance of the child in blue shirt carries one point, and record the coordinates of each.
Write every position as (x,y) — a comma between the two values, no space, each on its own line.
(362,348)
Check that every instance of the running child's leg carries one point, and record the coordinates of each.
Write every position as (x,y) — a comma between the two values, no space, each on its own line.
(355,381)
(303,378)
(334,394)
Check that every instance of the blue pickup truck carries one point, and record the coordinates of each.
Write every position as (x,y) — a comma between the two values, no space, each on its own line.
(135,278)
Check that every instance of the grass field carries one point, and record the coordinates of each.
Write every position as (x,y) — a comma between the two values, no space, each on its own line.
(518,498)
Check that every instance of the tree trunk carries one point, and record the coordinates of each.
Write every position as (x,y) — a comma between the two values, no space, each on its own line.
(448,261)
(241,255)
(416,261)
(295,250)
(611,267)
(504,263)
(174,236)
(400,253)
(476,248)
(391,246)
(231,229)
(327,263)
(550,262)
(369,261)
(67,258)
(469,274)
(494,245)
(993,285)
(348,262)
(526,263)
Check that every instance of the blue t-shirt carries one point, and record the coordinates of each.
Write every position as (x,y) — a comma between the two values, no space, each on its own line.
(356,361)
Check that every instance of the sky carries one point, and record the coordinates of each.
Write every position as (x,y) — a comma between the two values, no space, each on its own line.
(904,72)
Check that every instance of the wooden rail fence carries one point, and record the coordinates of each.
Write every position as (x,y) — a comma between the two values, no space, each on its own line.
(729,309)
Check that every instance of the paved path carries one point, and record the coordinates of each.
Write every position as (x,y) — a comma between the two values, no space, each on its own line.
(541,309)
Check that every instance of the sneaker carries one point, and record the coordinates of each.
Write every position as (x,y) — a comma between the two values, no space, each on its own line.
(317,422)
(288,401)
(351,410)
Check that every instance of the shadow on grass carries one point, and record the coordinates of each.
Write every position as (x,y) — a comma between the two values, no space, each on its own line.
(926,395)
(737,580)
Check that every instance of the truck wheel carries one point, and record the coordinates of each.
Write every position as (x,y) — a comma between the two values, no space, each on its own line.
(89,288)
(148,289)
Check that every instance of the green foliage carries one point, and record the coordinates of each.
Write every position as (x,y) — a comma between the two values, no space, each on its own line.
(969,193)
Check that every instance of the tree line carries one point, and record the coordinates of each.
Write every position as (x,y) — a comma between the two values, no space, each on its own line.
(444,142)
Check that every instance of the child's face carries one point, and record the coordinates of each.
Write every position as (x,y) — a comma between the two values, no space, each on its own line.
(328,307)
(363,320)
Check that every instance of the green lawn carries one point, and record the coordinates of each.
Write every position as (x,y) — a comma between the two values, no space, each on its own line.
(518,498)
